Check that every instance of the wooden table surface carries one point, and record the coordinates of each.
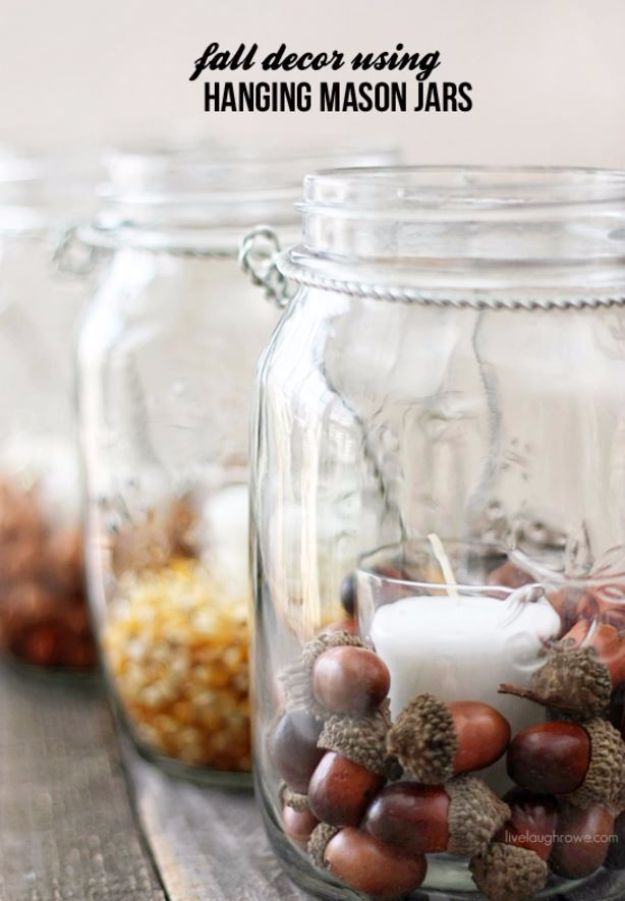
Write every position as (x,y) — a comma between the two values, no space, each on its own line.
(85,818)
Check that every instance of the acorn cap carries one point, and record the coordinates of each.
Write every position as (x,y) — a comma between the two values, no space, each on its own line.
(318,841)
(424,740)
(289,798)
(509,873)
(361,739)
(297,678)
(574,679)
(603,783)
(475,815)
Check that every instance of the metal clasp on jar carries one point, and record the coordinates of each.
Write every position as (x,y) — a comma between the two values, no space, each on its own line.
(258,255)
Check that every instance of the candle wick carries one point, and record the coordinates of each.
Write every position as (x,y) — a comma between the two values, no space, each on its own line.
(443,561)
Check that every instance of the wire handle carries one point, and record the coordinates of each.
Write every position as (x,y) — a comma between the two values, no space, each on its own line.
(258,253)
(71,256)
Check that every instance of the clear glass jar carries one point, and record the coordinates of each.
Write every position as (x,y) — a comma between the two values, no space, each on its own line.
(43,612)
(167,358)
(439,538)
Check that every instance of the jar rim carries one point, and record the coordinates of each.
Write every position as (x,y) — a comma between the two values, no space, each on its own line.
(204,183)
(412,553)
(480,236)
(40,190)
(481,189)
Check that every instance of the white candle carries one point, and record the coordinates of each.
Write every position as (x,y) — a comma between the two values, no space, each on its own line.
(461,649)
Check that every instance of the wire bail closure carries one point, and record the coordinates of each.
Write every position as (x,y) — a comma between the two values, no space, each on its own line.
(258,256)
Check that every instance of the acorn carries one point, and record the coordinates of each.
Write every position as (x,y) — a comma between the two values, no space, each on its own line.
(361,739)
(371,867)
(509,873)
(412,818)
(532,822)
(349,595)
(580,672)
(297,678)
(347,624)
(583,763)
(340,790)
(288,798)
(434,741)
(297,819)
(616,850)
(293,748)
(574,604)
(459,818)
(582,841)
(298,824)
(508,575)
(350,680)
(318,841)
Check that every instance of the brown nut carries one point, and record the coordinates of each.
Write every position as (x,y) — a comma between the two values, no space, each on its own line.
(460,817)
(585,764)
(369,866)
(298,824)
(293,748)
(508,575)
(580,672)
(434,741)
(532,822)
(550,758)
(350,680)
(582,841)
(412,818)
(340,790)
(616,853)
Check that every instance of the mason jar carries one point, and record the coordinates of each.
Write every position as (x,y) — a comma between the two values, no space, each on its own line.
(438,537)
(43,613)
(166,358)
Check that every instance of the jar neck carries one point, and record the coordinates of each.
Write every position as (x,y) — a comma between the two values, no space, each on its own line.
(201,198)
(473,235)
(39,194)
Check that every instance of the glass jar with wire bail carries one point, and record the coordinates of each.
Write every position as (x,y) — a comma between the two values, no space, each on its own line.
(438,536)
(167,358)
(44,619)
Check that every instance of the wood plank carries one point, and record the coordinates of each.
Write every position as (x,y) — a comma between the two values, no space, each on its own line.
(67,828)
(208,843)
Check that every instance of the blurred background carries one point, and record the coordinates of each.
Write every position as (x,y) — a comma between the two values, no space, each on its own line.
(548,75)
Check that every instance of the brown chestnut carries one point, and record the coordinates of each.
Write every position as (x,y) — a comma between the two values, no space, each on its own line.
(340,790)
(550,758)
(582,841)
(412,818)
(350,680)
(293,748)
(369,866)
(532,823)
